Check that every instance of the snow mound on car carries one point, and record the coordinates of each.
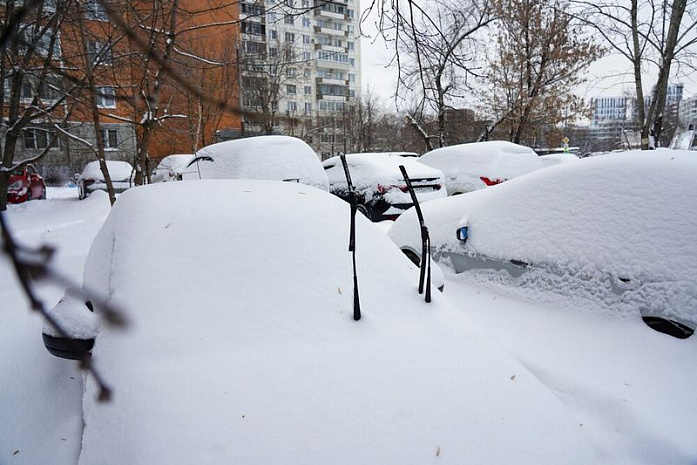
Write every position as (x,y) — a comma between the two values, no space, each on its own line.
(118,170)
(243,348)
(464,164)
(278,158)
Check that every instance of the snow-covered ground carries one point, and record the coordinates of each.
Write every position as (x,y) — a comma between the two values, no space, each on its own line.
(630,390)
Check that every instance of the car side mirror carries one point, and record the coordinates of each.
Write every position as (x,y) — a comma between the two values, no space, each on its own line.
(462,234)
(76,317)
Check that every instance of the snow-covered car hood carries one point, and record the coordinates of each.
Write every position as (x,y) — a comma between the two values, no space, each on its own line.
(629,215)
(367,170)
(242,347)
(464,165)
(118,171)
(279,158)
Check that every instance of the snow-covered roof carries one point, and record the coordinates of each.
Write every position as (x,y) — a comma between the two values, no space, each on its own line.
(242,347)
(367,170)
(279,158)
(464,164)
(630,215)
(118,170)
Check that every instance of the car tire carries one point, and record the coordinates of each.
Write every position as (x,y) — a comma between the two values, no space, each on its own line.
(29,195)
(80,191)
(43,193)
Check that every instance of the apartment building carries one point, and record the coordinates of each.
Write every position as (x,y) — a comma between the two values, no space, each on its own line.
(688,111)
(300,68)
(89,52)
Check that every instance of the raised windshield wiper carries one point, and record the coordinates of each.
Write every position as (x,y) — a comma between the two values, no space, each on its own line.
(352,238)
(425,268)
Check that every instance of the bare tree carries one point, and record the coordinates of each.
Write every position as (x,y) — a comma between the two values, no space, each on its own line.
(34,97)
(658,36)
(437,53)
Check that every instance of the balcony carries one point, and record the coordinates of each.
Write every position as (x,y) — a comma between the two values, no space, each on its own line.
(331,32)
(330,14)
(331,81)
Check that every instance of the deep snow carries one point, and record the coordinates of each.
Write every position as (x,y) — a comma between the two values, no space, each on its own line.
(629,390)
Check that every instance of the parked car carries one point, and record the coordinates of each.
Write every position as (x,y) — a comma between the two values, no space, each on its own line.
(92,179)
(379,185)
(557,158)
(171,167)
(470,167)
(249,353)
(25,184)
(276,158)
(619,227)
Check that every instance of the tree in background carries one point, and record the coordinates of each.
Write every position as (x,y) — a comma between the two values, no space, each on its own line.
(651,36)
(539,57)
(34,101)
(436,52)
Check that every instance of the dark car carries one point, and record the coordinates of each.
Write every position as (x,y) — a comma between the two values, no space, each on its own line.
(379,184)
(25,184)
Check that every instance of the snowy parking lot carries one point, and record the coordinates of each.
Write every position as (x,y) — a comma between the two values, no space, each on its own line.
(627,392)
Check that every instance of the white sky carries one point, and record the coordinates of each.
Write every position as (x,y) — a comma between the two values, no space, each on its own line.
(607,77)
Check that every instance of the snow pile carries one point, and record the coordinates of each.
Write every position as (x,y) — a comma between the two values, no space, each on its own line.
(118,171)
(630,216)
(370,170)
(464,165)
(74,317)
(171,167)
(243,349)
(278,158)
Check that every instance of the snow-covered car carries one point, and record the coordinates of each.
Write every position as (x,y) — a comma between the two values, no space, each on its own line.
(25,184)
(474,166)
(249,353)
(276,158)
(557,158)
(380,189)
(619,227)
(92,179)
(171,167)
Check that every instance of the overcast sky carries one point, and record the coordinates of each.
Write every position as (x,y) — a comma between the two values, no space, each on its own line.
(608,77)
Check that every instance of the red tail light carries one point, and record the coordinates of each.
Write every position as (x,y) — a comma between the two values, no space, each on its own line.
(491,182)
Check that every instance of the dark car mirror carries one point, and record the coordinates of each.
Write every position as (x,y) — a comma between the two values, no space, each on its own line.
(79,324)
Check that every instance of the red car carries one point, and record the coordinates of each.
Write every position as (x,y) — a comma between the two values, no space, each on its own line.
(25,184)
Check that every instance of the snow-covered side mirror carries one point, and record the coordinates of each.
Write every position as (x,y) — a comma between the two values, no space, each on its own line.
(76,317)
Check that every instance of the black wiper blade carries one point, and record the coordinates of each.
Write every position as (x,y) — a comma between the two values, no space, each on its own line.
(352,238)
(425,268)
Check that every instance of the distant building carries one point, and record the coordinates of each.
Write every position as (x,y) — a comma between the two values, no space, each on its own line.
(611,109)
(688,111)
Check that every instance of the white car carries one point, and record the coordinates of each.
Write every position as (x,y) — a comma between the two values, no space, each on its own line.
(92,179)
(277,158)
(470,167)
(171,167)
(379,185)
(248,351)
(619,228)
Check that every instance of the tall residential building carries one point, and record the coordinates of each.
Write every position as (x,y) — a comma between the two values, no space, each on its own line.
(300,68)
(688,111)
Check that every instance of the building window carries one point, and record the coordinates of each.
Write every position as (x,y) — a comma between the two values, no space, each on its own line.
(308,90)
(308,108)
(288,19)
(290,37)
(306,39)
(106,97)
(306,22)
(273,34)
(291,89)
(253,28)
(95,11)
(50,88)
(291,106)
(272,17)
(291,72)
(38,138)
(350,46)
(99,53)
(307,56)
(110,139)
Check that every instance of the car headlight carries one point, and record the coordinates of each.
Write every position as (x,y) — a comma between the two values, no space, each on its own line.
(15,186)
